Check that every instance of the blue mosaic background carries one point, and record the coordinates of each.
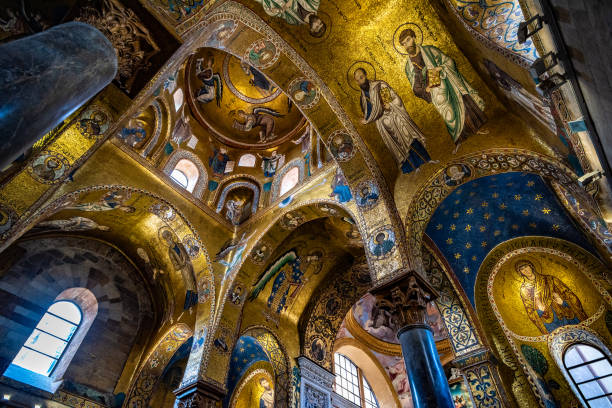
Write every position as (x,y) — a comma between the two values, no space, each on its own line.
(485,212)
(246,352)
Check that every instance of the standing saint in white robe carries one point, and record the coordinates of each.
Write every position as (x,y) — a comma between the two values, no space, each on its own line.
(382,105)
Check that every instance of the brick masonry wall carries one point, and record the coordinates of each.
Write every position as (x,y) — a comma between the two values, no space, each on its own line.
(34,272)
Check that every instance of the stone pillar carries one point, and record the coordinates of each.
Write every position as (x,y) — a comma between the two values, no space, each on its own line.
(316,384)
(47,76)
(408,296)
(199,395)
(479,368)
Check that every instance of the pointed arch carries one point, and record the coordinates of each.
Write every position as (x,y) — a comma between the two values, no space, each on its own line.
(432,192)
(500,36)
(278,359)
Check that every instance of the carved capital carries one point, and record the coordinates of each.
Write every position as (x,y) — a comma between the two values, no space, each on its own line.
(199,395)
(407,296)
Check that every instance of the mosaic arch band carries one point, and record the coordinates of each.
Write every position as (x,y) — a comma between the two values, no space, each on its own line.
(434,77)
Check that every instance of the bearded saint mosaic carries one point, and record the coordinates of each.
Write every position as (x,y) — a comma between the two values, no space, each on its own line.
(435,78)
(179,258)
(380,104)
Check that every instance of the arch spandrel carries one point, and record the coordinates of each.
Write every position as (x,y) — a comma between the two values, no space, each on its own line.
(327,119)
(431,193)
(231,309)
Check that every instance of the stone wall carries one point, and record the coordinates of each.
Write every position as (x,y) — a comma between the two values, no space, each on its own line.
(34,272)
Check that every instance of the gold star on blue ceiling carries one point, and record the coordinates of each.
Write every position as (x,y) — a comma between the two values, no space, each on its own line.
(503,207)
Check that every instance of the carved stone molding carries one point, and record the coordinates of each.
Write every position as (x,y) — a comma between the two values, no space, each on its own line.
(408,296)
(316,384)
(199,395)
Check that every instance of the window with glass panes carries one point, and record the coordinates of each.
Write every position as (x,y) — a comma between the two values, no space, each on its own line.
(351,383)
(591,372)
(45,346)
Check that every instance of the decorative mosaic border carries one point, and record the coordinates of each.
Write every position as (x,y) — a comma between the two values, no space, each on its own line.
(180,154)
(231,186)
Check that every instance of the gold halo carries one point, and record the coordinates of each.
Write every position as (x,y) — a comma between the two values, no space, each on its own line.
(161,231)
(396,43)
(369,69)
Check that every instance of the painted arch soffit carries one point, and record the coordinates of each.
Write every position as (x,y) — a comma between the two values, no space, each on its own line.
(245,267)
(163,223)
(327,116)
(473,166)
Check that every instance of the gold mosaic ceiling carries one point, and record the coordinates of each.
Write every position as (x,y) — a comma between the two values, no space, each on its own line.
(240,106)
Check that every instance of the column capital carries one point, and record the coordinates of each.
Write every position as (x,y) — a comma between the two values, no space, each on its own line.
(407,295)
(201,394)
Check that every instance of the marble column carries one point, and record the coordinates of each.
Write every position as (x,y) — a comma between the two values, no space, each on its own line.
(47,76)
(199,395)
(408,296)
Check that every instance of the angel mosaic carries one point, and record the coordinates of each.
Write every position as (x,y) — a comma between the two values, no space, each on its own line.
(435,78)
(72,224)
(548,301)
(112,200)
(234,248)
(260,117)
(212,85)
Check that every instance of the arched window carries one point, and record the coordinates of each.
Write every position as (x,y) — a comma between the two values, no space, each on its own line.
(186,174)
(45,346)
(351,383)
(178,99)
(179,177)
(247,160)
(289,180)
(44,357)
(591,372)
